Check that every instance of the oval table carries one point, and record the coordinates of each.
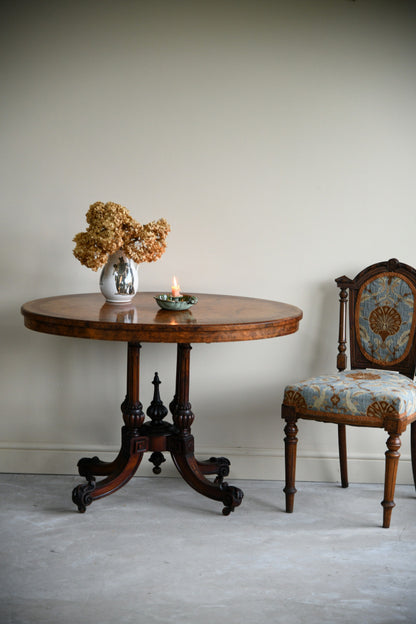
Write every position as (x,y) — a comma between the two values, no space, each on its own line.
(215,318)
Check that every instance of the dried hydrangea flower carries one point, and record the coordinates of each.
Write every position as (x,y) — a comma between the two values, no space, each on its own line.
(148,242)
(111,227)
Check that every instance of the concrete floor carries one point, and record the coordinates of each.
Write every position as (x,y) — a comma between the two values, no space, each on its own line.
(158,552)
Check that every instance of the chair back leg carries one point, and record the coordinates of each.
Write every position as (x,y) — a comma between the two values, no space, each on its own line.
(342,447)
(392,462)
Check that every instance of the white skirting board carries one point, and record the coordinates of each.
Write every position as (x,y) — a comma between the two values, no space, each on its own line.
(246,463)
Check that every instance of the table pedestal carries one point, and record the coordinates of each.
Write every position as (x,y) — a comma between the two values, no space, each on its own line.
(156,436)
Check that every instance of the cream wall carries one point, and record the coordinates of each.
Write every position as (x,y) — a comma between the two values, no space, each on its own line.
(277,138)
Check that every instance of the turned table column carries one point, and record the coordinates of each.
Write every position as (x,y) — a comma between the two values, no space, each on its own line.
(133,444)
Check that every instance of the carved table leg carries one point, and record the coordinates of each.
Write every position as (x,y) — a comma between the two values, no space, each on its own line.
(219,466)
(133,445)
(181,444)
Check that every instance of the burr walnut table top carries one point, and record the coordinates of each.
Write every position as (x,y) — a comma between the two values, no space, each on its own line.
(215,318)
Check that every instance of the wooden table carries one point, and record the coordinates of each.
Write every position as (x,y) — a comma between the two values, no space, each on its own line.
(215,318)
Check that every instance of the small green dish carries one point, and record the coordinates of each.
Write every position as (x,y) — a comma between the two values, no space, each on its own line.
(167,302)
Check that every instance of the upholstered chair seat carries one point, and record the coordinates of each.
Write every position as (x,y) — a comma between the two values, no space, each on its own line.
(369,396)
(378,390)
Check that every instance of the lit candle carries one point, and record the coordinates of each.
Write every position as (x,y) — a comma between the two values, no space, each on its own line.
(175,288)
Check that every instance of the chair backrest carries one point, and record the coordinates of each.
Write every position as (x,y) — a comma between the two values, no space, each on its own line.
(382,318)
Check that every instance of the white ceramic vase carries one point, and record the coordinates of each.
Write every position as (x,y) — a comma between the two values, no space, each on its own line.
(119,279)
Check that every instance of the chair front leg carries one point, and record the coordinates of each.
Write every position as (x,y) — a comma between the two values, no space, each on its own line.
(392,462)
(290,457)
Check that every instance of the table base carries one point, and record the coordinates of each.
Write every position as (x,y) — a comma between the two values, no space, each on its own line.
(156,436)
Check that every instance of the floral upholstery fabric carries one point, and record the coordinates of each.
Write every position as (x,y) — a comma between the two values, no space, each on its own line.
(374,395)
(385,318)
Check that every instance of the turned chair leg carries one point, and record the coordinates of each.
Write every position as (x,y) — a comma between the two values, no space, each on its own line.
(290,462)
(342,447)
(413,449)
(392,462)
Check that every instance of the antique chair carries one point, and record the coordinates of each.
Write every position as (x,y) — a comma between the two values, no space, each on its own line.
(379,390)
